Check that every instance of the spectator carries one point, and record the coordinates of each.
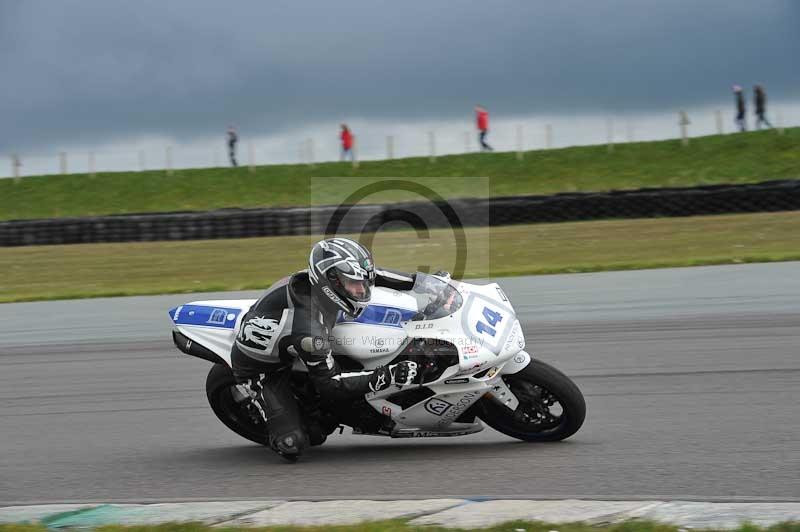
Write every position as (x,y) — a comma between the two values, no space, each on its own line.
(760,102)
(233,138)
(482,118)
(740,119)
(347,142)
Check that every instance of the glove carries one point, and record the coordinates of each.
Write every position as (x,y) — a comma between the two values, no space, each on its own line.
(402,373)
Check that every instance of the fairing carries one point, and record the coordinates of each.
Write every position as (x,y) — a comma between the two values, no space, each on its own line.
(482,326)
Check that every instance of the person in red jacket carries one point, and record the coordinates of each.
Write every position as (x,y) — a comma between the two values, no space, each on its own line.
(482,119)
(347,142)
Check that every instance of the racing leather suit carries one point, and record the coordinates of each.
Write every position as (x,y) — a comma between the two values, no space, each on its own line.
(287,323)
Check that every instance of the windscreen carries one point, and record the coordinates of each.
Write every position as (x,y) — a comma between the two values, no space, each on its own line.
(435,297)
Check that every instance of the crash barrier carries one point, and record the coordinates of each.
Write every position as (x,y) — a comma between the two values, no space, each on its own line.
(768,196)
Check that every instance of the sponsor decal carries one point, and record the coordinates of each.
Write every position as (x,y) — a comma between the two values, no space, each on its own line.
(437,406)
(258,332)
(319,343)
(457,409)
(383,350)
(218,317)
(431,434)
(328,292)
(515,337)
(231,316)
(392,317)
(387,411)
(423,326)
(456,381)
(511,338)
(177,313)
(380,382)
(469,349)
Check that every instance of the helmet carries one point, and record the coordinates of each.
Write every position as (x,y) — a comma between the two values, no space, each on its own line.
(342,275)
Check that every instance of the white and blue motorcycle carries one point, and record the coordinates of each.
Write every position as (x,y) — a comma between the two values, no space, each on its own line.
(465,338)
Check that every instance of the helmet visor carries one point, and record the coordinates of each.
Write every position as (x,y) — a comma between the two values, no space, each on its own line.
(357,290)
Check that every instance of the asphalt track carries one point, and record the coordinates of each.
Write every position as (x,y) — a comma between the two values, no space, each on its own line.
(691,376)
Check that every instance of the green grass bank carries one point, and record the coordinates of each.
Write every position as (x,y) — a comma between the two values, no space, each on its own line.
(735,158)
(95,270)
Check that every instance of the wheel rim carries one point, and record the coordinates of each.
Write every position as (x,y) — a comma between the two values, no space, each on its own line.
(539,409)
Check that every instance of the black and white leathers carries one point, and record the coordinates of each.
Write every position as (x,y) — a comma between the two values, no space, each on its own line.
(287,323)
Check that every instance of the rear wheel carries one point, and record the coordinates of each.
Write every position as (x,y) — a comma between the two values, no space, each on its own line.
(551,407)
(232,406)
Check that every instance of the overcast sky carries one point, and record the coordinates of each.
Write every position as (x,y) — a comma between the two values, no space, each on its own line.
(83,72)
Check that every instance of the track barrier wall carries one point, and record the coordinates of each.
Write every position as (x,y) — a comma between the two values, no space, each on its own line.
(770,196)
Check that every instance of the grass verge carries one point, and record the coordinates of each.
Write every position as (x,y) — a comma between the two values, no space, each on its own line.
(403,526)
(94,270)
(740,158)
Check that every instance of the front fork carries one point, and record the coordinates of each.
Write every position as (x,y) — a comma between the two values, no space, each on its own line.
(500,391)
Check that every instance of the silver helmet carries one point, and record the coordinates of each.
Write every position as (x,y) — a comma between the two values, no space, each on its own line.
(342,275)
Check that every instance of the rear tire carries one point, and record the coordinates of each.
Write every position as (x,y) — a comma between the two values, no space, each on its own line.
(220,386)
(549,384)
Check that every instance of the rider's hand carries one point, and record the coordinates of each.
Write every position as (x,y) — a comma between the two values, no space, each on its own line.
(402,373)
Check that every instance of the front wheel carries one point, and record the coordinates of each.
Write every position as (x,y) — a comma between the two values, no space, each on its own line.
(231,406)
(551,407)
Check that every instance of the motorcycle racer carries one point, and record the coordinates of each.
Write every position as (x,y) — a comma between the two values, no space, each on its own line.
(293,319)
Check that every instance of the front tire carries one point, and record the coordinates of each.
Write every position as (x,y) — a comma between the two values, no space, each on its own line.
(540,389)
(230,408)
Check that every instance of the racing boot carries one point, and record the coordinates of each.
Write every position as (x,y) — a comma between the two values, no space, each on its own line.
(272,394)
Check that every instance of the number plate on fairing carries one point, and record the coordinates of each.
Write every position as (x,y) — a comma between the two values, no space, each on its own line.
(487,321)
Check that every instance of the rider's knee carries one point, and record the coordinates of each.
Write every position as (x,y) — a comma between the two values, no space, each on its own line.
(293,441)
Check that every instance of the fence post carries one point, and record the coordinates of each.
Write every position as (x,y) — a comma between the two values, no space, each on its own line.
(684,122)
(251,158)
(432,146)
(467,146)
(548,136)
(168,157)
(142,162)
(15,164)
(62,161)
(390,147)
(610,135)
(519,142)
(91,164)
(718,119)
(354,155)
(779,122)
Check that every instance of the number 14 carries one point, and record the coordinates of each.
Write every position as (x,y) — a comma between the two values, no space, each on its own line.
(493,318)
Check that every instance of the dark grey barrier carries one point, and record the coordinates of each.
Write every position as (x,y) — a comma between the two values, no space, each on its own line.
(239,223)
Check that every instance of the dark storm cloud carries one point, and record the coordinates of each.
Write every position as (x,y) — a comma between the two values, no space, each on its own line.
(91,70)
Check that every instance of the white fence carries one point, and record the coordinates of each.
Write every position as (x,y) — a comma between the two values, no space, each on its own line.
(385,141)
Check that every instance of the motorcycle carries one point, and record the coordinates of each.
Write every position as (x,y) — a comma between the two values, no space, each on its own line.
(467,343)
